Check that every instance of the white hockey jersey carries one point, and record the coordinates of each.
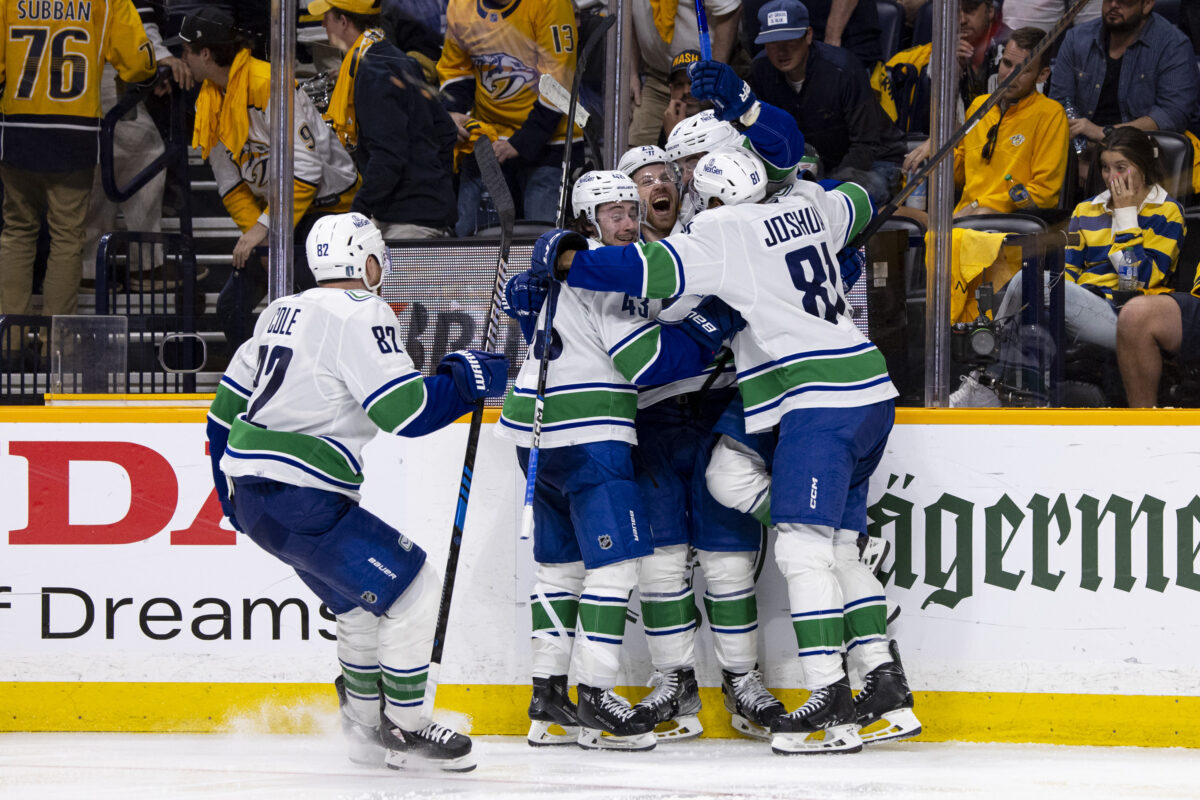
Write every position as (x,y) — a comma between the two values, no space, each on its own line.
(775,263)
(323,373)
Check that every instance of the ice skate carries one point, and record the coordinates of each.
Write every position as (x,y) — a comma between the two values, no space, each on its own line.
(362,741)
(608,722)
(749,703)
(552,715)
(824,724)
(431,747)
(884,706)
(675,704)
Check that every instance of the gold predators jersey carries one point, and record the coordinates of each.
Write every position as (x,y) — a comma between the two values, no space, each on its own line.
(52,61)
(505,50)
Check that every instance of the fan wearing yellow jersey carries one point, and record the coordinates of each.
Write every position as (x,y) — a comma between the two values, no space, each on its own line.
(51,58)
(495,50)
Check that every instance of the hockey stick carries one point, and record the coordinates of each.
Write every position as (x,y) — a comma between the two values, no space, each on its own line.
(894,204)
(702,29)
(493,179)
(547,332)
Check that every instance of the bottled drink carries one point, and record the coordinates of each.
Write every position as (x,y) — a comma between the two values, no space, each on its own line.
(1018,193)
(1080,143)
(1127,269)
(919,195)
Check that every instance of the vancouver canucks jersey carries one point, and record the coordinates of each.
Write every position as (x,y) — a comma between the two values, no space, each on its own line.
(323,373)
(52,57)
(505,50)
(775,264)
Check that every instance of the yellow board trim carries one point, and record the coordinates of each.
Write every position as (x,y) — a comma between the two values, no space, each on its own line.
(304,708)
(158,413)
(127,414)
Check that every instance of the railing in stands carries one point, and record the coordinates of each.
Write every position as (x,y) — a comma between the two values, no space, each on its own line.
(157,304)
(24,354)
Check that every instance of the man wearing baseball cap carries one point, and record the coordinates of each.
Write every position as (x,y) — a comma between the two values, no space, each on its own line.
(825,88)
(400,136)
(233,132)
(682,104)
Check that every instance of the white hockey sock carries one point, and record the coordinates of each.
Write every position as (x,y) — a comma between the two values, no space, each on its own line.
(805,557)
(601,629)
(864,604)
(737,477)
(357,649)
(668,607)
(732,607)
(405,642)
(554,604)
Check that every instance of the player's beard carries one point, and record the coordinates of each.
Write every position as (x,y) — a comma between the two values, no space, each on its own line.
(662,209)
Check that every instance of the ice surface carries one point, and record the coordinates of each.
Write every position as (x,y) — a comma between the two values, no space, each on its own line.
(93,766)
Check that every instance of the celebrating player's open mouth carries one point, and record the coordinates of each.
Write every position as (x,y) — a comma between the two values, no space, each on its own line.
(662,208)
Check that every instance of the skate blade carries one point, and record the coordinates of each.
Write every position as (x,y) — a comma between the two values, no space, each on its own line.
(837,739)
(895,725)
(551,734)
(596,739)
(410,762)
(749,729)
(679,728)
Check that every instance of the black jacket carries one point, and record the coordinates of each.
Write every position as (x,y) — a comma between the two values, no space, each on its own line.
(835,108)
(405,143)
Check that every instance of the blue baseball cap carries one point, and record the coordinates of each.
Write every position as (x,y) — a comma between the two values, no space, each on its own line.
(781,20)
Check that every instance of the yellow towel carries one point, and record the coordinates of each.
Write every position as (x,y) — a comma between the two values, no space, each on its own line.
(664,17)
(223,117)
(475,129)
(341,102)
(971,253)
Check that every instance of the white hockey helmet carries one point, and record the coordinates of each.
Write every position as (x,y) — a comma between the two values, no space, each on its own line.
(701,133)
(595,188)
(733,175)
(637,157)
(338,246)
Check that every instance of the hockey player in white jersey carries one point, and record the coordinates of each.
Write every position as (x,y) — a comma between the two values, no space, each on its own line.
(322,374)
(658,185)
(801,365)
(590,525)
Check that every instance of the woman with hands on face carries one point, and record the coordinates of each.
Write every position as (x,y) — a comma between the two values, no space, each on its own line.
(1134,213)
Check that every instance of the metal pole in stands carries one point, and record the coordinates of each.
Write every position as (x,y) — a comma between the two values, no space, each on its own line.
(617,103)
(943,107)
(280,158)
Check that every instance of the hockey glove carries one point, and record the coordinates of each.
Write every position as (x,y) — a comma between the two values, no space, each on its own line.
(718,83)
(476,373)
(712,322)
(851,261)
(551,244)
(522,300)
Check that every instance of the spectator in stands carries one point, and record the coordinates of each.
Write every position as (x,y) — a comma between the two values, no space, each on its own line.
(48,142)
(826,90)
(136,144)
(408,185)
(232,132)
(682,104)
(1024,136)
(1149,326)
(850,24)
(489,71)
(662,30)
(1130,67)
(1135,215)
(903,85)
